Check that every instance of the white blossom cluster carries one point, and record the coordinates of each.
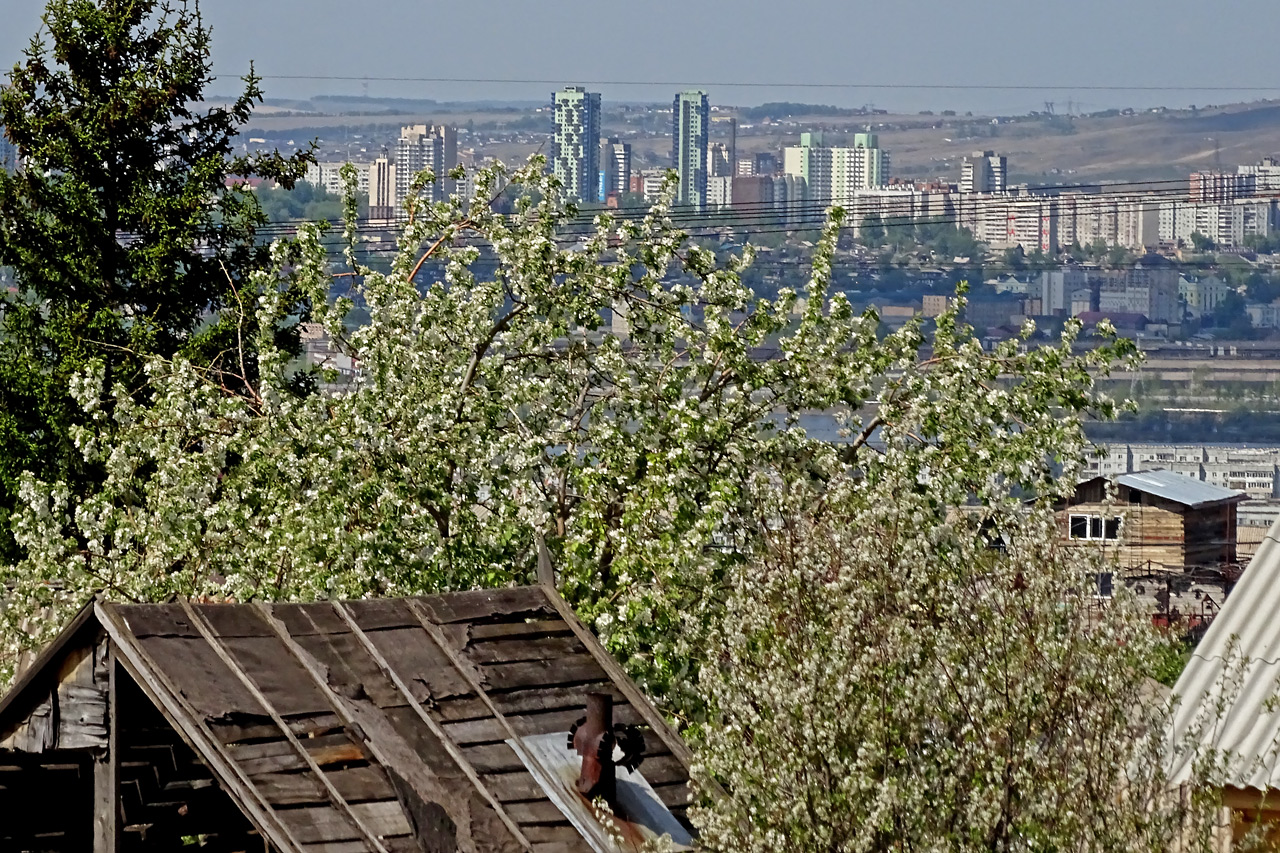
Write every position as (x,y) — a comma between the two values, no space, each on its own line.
(914,659)
(492,408)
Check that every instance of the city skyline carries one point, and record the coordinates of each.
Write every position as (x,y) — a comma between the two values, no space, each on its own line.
(1008,44)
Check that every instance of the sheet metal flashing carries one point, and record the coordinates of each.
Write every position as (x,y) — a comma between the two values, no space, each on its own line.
(1179,488)
(642,816)
(1236,671)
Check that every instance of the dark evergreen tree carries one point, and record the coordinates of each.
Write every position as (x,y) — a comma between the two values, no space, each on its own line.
(125,229)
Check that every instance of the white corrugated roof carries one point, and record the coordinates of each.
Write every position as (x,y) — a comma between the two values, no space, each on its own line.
(1177,487)
(1248,729)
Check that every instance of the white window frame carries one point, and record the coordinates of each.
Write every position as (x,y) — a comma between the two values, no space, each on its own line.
(1096,527)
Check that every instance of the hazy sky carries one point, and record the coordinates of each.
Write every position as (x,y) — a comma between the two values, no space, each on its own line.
(1063,46)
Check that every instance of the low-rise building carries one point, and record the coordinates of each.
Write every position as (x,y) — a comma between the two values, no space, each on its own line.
(1264,315)
(1170,538)
(1202,296)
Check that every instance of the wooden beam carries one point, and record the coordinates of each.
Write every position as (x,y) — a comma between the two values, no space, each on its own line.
(206,631)
(467,672)
(188,724)
(106,773)
(450,747)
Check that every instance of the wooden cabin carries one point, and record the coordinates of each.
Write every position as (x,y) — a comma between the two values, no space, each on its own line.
(1159,520)
(446,723)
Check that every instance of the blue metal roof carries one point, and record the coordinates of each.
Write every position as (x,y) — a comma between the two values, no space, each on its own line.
(1178,487)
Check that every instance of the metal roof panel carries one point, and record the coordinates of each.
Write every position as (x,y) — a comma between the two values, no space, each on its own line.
(1178,487)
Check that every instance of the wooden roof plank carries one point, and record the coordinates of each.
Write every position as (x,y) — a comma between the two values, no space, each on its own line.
(428,674)
(343,655)
(490,729)
(343,806)
(525,701)
(523,628)
(203,677)
(524,648)
(188,723)
(157,620)
(567,670)
(514,604)
(288,690)
(454,752)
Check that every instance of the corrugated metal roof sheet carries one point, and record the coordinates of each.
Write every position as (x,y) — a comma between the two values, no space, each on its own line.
(1248,627)
(1177,487)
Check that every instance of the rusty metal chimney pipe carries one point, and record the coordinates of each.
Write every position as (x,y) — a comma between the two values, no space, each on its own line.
(594,740)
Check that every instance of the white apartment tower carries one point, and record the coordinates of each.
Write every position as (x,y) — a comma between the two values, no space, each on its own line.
(576,145)
(690,126)
(328,176)
(984,172)
(382,189)
(422,147)
(836,175)
(615,168)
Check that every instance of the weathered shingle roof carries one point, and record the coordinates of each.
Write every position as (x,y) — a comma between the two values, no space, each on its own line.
(368,725)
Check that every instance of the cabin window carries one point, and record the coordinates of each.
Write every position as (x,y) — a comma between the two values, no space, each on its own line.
(1094,527)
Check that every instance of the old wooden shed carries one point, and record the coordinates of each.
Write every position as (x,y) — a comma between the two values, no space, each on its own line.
(426,724)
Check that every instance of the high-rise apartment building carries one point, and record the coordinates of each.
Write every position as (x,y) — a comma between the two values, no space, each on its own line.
(719,164)
(615,168)
(1219,187)
(690,125)
(870,162)
(835,175)
(1266,174)
(328,177)
(719,192)
(766,164)
(422,147)
(984,172)
(575,147)
(382,189)
(726,128)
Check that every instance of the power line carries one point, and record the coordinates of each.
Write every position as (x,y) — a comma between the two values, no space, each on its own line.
(990,87)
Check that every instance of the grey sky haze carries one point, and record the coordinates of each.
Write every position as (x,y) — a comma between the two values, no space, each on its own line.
(1063,46)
